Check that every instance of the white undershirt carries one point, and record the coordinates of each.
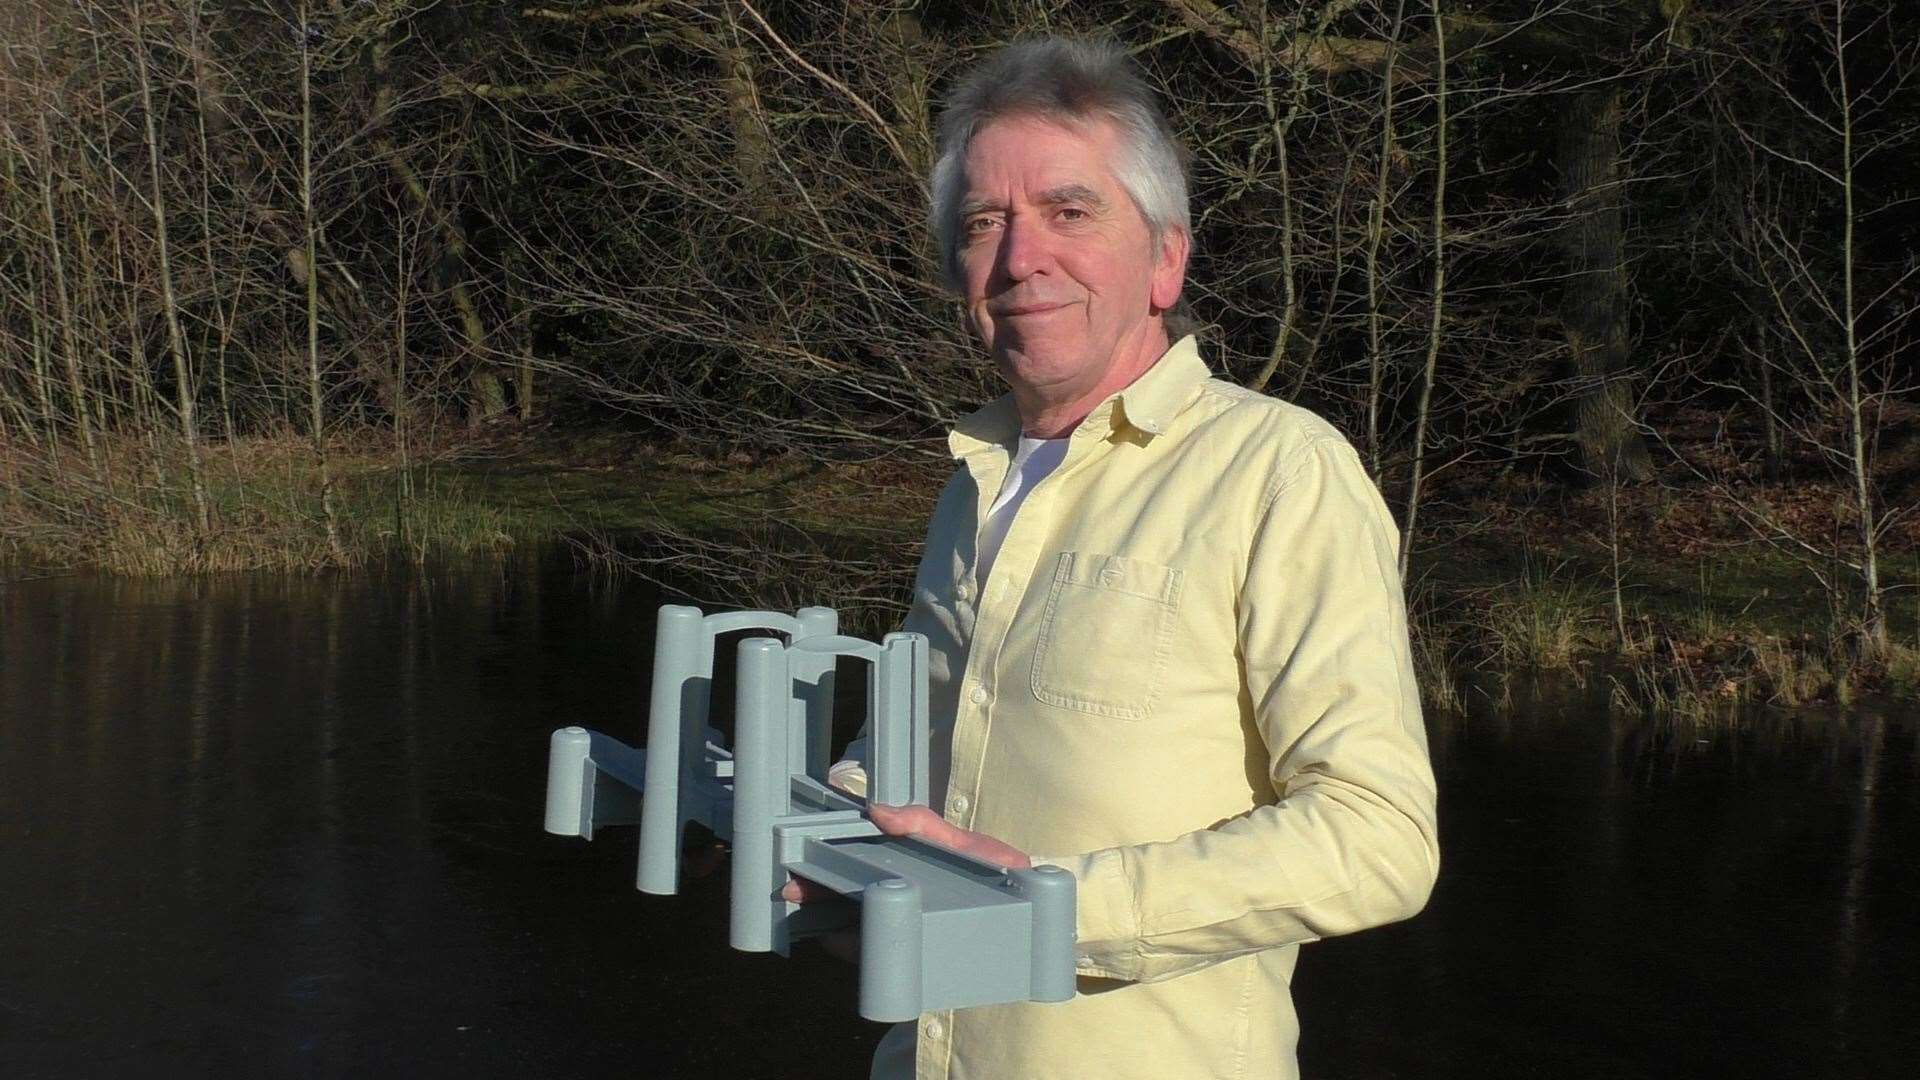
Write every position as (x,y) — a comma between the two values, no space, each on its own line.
(1031,463)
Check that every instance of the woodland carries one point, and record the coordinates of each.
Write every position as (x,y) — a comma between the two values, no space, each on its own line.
(1612,296)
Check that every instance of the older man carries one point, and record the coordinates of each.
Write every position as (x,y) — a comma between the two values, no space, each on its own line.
(1168,647)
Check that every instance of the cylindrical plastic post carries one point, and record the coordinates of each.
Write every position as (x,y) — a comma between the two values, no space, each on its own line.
(760,789)
(907,660)
(890,950)
(1050,890)
(678,640)
(566,777)
(813,733)
(889,733)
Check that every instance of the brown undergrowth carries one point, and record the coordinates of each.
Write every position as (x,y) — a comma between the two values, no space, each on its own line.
(130,509)
(1655,598)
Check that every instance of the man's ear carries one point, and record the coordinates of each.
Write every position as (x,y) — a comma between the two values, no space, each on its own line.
(1170,268)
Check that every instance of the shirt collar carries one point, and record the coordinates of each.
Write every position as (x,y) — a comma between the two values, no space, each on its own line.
(1148,404)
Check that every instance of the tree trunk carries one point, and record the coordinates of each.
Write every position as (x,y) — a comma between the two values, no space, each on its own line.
(1280,126)
(1774,466)
(69,345)
(488,392)
(176,337)
(316,417)
(204,126)
(1873,616)
(1594,303)
(523,386)
(1439,294)
(752,142)
(1376,235)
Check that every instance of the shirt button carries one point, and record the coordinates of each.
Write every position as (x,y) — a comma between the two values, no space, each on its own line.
(935,1028)
(960,804)
(1083,961)
(979,695)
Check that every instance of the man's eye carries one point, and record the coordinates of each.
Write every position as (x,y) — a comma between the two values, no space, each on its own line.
(1072,213)
(979,224)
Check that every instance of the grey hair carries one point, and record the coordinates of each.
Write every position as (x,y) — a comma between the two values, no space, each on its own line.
(1067,80)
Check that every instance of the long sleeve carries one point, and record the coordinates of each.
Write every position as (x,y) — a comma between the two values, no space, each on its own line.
(1350,840)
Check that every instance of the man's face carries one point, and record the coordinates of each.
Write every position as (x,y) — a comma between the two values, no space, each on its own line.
(1060,273)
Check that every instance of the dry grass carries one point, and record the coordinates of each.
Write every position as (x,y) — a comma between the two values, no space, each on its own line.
(1665,682)
(1436,654)
(1693,650)
(135,515)
(1791,676)
(775,570)
(1544,621)
(1903,670)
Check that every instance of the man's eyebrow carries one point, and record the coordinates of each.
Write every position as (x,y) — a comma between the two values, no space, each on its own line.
(1072,193)
(1055,196)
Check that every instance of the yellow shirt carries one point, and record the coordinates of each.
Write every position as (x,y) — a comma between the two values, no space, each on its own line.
(1187,681)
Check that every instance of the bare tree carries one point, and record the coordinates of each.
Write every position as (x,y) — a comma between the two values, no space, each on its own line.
(1820,112)
(1434,337)
(185,390)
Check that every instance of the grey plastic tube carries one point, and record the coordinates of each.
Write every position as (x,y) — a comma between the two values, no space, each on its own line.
(890,949)
(679,639)
(760,788)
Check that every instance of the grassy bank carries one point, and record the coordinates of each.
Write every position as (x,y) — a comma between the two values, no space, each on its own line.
(1509,586)
(130,508)
(1654,596)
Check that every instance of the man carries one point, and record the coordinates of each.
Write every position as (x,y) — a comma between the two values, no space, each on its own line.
(1168,647)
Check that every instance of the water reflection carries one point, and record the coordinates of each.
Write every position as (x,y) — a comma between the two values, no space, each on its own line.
(281,826)
(1638,898)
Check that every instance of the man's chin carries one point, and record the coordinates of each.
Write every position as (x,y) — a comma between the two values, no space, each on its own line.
(1037,365)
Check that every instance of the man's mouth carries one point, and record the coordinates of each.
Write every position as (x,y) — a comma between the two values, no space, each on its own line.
(1014,310)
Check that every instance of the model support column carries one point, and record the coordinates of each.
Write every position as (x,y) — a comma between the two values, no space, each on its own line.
(762,787)
(812,724)
(897,772)
(890,950)
(567,764)
(1050,889)
(676,741)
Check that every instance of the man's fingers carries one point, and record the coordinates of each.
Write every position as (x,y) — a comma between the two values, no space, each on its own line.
(922,822)
(914,820)
(801,891)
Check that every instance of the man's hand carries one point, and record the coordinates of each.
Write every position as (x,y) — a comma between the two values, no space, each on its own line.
(916,821)
(922,823)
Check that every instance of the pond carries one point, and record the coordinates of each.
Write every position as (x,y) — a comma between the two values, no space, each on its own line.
(290,826)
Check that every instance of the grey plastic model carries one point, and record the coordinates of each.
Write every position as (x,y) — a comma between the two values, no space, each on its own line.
(938,929)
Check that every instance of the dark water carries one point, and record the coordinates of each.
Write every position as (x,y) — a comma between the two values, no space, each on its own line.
(258,826)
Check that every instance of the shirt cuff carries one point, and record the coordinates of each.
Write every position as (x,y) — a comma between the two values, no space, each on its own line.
(1107,929)
(849,776)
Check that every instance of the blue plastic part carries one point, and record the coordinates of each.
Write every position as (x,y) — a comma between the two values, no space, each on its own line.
(939,929)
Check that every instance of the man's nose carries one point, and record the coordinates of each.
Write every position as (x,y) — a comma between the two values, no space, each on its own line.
(1023,248)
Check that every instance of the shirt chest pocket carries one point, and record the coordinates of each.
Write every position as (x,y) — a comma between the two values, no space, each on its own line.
(1105,634)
